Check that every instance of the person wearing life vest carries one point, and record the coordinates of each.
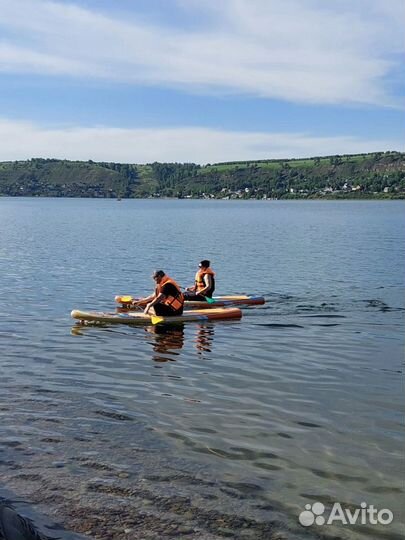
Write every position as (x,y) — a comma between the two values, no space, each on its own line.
(204,284)
(167,298)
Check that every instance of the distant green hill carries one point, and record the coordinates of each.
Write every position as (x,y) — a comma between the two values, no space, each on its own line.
(378,174)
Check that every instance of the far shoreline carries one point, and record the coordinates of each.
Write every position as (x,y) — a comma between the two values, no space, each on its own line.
(368,197)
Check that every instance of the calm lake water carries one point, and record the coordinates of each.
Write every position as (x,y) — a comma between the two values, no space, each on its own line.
(203,431)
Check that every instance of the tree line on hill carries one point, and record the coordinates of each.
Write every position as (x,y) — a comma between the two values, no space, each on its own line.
(378,174)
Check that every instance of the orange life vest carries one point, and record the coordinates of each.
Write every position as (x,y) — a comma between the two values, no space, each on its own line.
(199,279)
(175,302)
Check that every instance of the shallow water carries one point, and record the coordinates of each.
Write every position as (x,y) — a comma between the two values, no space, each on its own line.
(203,430)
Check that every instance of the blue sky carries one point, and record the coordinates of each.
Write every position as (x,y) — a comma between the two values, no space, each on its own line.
(184,80)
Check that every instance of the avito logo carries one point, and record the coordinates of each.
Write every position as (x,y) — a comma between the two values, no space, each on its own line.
(363,515)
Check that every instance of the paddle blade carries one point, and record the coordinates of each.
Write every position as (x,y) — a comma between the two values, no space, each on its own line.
(156,320)
(126,299)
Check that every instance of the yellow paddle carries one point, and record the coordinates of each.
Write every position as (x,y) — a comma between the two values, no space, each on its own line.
(156,320)
(126,299)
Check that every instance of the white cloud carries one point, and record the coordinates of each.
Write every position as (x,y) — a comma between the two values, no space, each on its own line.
(297,50)
(24,140)
(20,59)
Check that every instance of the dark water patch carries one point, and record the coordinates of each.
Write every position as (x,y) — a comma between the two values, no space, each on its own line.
(259,309)
(46,420)
(205,430)
(29,477)
(45,403)
(275,298)
(174,377)
(96,465)
(328,500)
(58,464)
(326,316)
(327,325)
(379,304)
(278,325)
(384,489)
(114,415)
(268,466)
(324,306)
(247,453)
(331,475)
(308,424)
(8,463)
(11,444)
